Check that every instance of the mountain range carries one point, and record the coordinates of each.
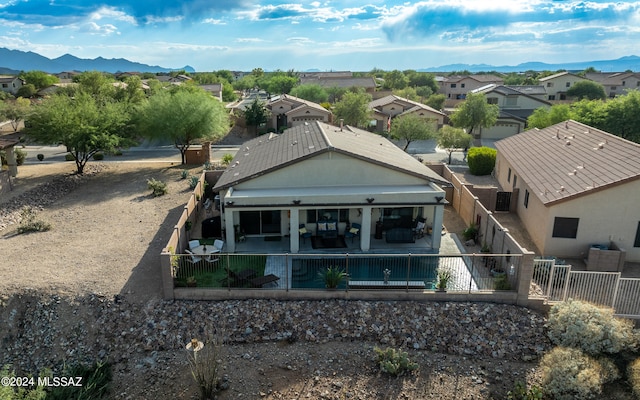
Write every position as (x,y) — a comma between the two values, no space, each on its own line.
(14,61)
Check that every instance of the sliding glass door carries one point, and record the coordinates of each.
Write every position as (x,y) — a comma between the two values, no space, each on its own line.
(260,222)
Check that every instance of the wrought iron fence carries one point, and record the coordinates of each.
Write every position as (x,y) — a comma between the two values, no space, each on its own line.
(470,273)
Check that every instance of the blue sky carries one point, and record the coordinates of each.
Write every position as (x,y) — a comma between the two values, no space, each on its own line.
(325,35)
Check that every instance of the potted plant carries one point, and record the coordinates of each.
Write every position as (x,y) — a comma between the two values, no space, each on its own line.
(444,276)
(191,281)
(332,276)
(471,233)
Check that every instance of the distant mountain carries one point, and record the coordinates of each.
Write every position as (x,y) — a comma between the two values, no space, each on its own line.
(27,61)
(621,64)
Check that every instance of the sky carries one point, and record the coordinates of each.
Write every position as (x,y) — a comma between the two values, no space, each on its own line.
(337,35)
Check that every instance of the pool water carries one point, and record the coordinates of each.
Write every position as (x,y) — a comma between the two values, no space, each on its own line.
(305,271)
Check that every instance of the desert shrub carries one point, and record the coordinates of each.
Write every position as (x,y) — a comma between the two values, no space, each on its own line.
(98,156)
(69,157)
(117,152)
(501,282)
(206,363)
(633,376)
(481,160)
(394,362)
(96,379)
(184,174)
(521,392)
(569,374)
(207,166)
(193,182)
(159,188)
(29,223)
(471,232)
(590,328)
(226,159)
(20,156)
(40,157)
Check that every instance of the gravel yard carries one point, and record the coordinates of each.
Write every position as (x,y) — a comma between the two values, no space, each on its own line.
(90,289)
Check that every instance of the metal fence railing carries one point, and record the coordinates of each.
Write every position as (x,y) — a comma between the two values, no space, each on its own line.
(559,283)
(470,273)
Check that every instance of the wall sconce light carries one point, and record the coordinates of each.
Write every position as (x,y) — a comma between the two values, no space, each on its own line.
(370,200)
(229,203)
(439,198)
(296,202)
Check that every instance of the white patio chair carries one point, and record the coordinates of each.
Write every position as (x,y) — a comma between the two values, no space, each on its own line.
(192,259)
(193,244)
(218,244)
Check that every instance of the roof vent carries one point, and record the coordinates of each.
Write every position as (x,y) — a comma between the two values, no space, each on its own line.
(574,172)
(561,189)
(567,143)
(600,146)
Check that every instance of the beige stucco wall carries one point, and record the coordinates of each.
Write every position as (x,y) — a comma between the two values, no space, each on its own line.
(559,84)
(502,129)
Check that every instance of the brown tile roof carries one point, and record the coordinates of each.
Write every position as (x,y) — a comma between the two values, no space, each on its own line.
(272,152)
(298,102)
(570,159)
(406,104)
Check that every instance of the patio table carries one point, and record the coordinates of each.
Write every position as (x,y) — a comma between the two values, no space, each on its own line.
(203,250)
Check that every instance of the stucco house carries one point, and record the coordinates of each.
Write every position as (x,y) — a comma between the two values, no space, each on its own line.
(10,84)
(455,88)
(577,186)
(515,107)
(215,89)
(619,83)
(288,111)
(392,106)
(315,173)
(558,84)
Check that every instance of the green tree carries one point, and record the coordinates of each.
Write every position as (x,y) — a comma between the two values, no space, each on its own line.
(82,123)
(353,108)
(281,84)
(97,84)
(39,79)
(411,127)
(257,72)
(256,114)
(435,101)
(474,113)
(395,80)
(183,115)
(245,83)
(335,94)
(621,117)
(27,91)
(311,92)
(587,90)
(543,117)
(16,111)
(408,93)
(453,139)
(131,91)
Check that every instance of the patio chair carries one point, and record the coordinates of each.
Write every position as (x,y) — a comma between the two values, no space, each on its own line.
(193,244)
(218,244)
(192,259)
(304,233)
(238,278)
(353,231)
(418,231)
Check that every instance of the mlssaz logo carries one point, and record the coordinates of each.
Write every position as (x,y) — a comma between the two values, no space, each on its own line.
(60,381)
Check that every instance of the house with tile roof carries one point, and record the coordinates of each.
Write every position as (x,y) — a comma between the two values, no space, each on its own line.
(456,87)
(577,186)
(288,111)
(619,83)
(515,107)
(315,171)
(558,84)
(10,84)
(389,107)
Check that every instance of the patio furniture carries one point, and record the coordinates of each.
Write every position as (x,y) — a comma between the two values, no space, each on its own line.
(239,278)
(192,259)
(418,231)
(327,229)
(193,244)
(353,231)
(263,280)
(218,244)
(303,232)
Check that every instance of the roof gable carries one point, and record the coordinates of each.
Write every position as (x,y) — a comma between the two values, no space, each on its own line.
(570,159)
(406,104)
(269,153)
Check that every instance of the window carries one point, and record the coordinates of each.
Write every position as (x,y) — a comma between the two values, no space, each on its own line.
(509,175)
(636,243)
(565,227)
(340,215)
(614,87)
(515,181)
(492,100)
(623,83)
(568,84)
(512,101)
(549,84)
(526,198)
(462,85)
(552,97)
(453,86)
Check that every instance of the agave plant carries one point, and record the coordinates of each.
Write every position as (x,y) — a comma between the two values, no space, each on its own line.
(332,276)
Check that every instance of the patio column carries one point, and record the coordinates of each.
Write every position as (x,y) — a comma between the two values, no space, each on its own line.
(294,237)
(229,230)
(365,232)
(436,233)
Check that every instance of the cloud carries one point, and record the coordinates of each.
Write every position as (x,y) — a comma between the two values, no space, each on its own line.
(250,40)
(53,13)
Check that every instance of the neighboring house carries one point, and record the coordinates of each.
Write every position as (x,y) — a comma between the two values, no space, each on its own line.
(288,111)
(558,84)
(215,89)
(455,88)
(537,91)
(577,186)
(367,83)
(618,84)
(389,107)
(330,74)
(10,84)
(515,108)
(67,76)
(315,170)
(51,89)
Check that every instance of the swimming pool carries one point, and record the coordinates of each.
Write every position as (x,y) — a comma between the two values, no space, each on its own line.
(417,268)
